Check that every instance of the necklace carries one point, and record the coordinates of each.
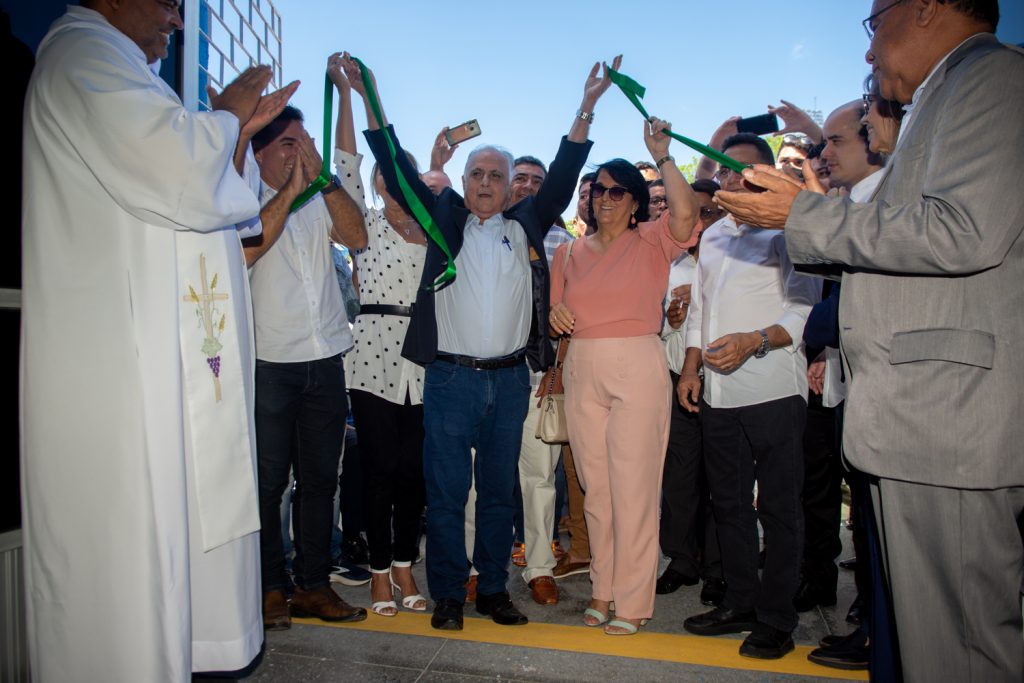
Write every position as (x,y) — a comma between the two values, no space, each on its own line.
(403,224)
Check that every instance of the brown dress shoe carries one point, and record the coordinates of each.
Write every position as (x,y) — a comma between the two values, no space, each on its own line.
(275,611)
(471,589)
(544,591)
(567,567)
(324,604)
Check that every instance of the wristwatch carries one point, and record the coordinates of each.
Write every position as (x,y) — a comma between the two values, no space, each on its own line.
(332,186)
(765,346)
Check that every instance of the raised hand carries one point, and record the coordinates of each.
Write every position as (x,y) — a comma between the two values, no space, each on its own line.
(656,139)
(242,95)
(441,153)
(297,181)
(795,120)
(596,86)
(355,75)
(267,110)
(336,72)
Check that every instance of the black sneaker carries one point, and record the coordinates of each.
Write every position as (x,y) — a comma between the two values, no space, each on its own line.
(348,574)
(767,642)
(719,621)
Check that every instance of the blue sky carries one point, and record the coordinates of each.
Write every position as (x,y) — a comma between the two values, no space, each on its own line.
(519,68)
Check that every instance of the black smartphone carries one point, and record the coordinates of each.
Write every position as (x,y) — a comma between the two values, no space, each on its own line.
(759,125)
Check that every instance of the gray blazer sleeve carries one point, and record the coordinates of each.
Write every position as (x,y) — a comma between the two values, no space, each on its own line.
(964,210)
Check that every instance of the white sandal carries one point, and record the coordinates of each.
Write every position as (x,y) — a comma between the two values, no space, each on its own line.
(384,608)
(408,601)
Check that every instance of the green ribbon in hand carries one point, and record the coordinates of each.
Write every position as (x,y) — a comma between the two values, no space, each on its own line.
(321,181)
(419,211)
(634,92)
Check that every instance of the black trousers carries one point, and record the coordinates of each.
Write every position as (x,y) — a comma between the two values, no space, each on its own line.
(391,455)
(762,443)
(300,424)
(822,495)
(687,532)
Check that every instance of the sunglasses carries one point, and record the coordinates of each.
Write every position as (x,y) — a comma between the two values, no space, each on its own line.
(616,193)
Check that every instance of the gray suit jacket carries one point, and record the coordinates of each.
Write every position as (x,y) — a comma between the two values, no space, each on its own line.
(932,311)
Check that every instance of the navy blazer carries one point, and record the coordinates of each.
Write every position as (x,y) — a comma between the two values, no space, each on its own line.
(536,214)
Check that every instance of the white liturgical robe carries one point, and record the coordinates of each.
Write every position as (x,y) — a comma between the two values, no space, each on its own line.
(140,508)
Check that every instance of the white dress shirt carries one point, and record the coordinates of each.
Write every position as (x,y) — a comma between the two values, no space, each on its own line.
(683,271)
(297,307)
(745,282)
(486,312)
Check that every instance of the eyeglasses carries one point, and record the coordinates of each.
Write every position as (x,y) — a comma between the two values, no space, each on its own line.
(723,173)
(654,200)
(869,100)
(870,25)
(616,193)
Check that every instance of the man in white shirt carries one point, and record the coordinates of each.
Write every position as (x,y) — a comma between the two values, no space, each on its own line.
(137,444)
(301,333)
(745,325)
(537,459)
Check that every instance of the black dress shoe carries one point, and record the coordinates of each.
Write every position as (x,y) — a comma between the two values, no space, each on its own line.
(719,621)
(809,595)
(671,581)
(447,615)
(849,563)
(849,653)
(499,607)
(856,614)
(767,642)
(713,592)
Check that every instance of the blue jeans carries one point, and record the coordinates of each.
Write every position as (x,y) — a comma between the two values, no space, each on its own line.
(300,425)
(465,408)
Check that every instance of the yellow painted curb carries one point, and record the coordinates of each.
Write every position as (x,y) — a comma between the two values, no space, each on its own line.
(664,647)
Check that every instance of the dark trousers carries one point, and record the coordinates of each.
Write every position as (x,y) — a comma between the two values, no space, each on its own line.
(300,426)
(822,496)
(762,443)
(687,533)
(465,408)
(391,454)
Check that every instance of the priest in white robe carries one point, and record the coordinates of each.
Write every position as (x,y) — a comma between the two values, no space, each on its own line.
(140,509)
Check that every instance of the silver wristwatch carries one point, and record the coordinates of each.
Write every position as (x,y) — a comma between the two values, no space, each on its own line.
(765,346)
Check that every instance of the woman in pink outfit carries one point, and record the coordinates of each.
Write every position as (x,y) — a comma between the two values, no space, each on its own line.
(609,299)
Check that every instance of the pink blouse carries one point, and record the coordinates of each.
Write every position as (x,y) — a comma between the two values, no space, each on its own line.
(618,293)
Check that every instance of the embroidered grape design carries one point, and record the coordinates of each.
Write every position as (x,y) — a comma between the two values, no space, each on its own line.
(214,364)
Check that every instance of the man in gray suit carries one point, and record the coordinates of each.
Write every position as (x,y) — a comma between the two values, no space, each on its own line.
(932,325)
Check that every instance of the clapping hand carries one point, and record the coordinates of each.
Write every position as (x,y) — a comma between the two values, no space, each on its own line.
(242,96)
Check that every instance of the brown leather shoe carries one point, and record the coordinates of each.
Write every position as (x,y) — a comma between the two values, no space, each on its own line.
(471,589)
(544,591)
(567,567)
(324,604)
(275,611)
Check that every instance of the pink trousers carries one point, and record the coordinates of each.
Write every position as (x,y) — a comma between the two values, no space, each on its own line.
(617,400)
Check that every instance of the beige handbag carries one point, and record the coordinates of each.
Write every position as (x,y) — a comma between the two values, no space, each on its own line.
(551,426)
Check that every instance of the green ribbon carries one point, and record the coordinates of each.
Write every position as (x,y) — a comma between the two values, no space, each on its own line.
(634,92)
(419,211)
(322,180)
